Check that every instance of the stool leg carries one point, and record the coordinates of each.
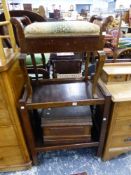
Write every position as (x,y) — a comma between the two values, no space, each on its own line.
(28,132)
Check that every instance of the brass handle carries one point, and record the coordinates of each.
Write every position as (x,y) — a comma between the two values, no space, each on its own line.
(127,139)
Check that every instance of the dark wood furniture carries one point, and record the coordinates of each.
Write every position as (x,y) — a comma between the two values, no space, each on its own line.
(66,113)
(27,7)
(71,117)
(66,64)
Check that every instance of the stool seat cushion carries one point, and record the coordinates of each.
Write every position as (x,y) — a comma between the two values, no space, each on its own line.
(61,28)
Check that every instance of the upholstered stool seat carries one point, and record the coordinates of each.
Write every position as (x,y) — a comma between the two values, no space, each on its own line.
(61,28)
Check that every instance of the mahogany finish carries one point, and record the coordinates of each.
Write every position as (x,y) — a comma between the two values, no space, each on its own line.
(70,125)
(69,129)
(49,44)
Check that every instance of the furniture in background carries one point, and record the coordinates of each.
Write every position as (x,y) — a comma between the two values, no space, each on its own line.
(15,5)
(111,46)
(41,11)
(37,67)
(66,64)
(124,53)
(27,7)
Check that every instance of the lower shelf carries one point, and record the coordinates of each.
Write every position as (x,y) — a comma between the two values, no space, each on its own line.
(64,127)
(40,148)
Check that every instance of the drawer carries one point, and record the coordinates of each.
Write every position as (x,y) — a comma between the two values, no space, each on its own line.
(123,109)
(57,140)
(122,127)
(8,136)
(121,141)
(67,66)
(109,78)
(66,135)
(67,130)
(10,156)
(117,78)
(66,125)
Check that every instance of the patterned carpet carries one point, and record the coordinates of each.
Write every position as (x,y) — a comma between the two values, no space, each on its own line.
(76,161)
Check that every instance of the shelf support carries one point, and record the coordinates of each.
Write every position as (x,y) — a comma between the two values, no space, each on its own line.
(100,64)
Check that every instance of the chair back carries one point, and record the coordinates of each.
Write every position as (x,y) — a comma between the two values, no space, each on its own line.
(116,34)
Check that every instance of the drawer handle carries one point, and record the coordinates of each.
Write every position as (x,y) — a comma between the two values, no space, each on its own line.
(127,139)
(118,77)
(1,158)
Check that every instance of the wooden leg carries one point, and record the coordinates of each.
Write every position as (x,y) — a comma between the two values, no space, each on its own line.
(86,65)
(99,67)
(28,132)
(34,65)
(43,60)
(104,125)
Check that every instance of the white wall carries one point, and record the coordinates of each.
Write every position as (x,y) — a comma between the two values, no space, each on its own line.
(125,3)
(48,3)
(98,7)
(97,4)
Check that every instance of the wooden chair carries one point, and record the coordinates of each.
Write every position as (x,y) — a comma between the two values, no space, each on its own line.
(41,11)
(124,53)
(111,44)
(112,47)
(63,97)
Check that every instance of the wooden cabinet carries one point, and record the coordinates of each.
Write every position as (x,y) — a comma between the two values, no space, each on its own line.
(13,150)
(116,72)
(119,132)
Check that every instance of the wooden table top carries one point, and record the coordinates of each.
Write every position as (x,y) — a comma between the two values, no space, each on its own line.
(117,68)
(120,91)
